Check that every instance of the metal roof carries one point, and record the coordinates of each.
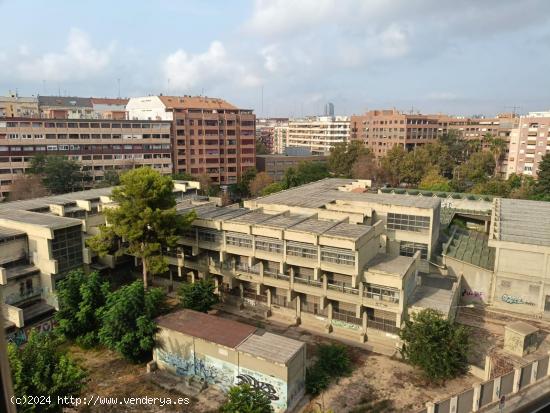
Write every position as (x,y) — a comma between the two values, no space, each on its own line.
(253,217)
(283,221)
(521,221)
(313,226)
(471,247)
(217,330)
(65,102)
(272,347)
(348,231)
(43,220)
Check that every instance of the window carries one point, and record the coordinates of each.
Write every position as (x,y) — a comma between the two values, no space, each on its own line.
(408,249)
(67,248)
(301,249)
(238,240)
(338,255)
(209,235)
(269,244)
(405,222)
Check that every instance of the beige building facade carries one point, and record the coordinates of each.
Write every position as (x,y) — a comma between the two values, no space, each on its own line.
(15,106)
(318,134)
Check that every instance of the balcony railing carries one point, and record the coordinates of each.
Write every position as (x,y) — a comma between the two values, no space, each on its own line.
(308,281)
(381,297)
(276,274)
(247,268)
(15,298)
(343,288)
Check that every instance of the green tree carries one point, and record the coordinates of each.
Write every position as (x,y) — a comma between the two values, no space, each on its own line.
(433,181)
(261,149)
(110,178)
(344,155)
(477,169)
(59,174)
(261,181)
(436,345)
(493,186)
(198,296)
(542,187)
(145,218)
(496,146)
(272,188)
(242,188)
(414,166)
(81,298)
(244,398)
(127,320)
(391,164)
(42,370)
(304,173)
(332,362)
(365,167)
(184,176)
(458,148)
(521,186)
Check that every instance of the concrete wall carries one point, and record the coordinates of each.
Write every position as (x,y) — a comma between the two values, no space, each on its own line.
(476,281)
(224,367)
(489,392)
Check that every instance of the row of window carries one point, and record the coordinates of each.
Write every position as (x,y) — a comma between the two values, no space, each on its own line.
(404,222)
(38,148)
(82,125)
(84,136)
(408,249)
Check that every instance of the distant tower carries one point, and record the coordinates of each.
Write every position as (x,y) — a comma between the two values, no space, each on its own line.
(329,109)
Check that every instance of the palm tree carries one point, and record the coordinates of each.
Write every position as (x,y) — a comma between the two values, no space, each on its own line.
(497,146)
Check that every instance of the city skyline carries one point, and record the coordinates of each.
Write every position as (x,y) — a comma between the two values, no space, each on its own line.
(358,55)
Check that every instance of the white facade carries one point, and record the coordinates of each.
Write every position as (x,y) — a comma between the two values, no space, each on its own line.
(280,134)
(319,134)
(147,108)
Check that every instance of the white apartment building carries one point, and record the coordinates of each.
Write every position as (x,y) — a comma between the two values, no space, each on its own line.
(319,134)
(280,133)
(529,142)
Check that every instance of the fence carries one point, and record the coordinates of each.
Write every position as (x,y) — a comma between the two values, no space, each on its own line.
(488,392)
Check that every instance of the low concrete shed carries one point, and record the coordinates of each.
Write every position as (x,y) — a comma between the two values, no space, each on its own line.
(224,353)
(520,338)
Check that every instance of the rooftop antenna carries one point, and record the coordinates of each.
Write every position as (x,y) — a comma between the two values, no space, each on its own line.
(118,81)
(514,108)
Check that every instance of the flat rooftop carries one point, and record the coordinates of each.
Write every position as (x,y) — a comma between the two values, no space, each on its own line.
(283,221)
(439,299)
(320,193)
(271,347)
(46,201)
(348,231)
(217,330)
(521,221)
(390,265)
(253,217)
(40,219)
(313,226)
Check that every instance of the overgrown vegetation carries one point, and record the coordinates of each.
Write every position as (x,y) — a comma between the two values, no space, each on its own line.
(199,296)
(437,346)
(42,370)
(58,174)
(244,398)
(333,361)
(146,219)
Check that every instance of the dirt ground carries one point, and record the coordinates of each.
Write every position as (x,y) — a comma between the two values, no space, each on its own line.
(109,375)
(378,383)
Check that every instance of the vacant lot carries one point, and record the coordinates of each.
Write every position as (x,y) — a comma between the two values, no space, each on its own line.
(109,375)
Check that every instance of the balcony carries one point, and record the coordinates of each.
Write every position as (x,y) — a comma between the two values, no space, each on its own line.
(17,298)
(308,281)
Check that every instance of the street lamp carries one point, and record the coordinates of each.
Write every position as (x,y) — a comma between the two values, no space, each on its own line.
(464,306)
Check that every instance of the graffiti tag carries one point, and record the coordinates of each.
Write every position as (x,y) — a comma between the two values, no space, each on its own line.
(510,299)
(472,294)
(264,387)
(21,335)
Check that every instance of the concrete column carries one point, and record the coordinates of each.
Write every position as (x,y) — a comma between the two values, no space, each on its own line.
(430,407)
(328,327)
(291,278)
(354,280)
(453,404)
(361,290)
(268,294)
(496,389)
(193,277)
(358,310)
(517,379)
(325,282)
(217,285)
(261,271)
(241,290)
(477,397)
(298,309)
(179,271)
(534,371)
(548,369)
(488,367)
(365,321)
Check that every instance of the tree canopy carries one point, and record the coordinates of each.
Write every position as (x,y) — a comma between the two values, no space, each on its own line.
(436,345)
(198,296)
(257,185)
(59,174)
(304,173)
(127,320)
(41,369)
(542,187)
(145,217)
(344,155)
(81,298)
(26,187)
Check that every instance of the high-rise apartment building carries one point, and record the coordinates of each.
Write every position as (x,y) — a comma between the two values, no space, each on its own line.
(529,142)
(280,134)
(99,145)
(209,135)
(319,133)
(265,131)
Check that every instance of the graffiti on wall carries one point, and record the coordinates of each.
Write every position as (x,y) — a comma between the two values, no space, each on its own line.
(213,371)
(510,299)
(343,324)
(264,387)
(21,335)
(472,294)
(274,388)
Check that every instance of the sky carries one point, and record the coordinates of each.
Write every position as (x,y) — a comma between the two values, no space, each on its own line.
(286,57)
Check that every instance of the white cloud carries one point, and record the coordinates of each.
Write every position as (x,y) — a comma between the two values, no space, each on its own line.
(187,71)
(79,61)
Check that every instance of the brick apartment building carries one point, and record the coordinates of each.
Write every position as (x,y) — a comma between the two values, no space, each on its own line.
(209,136)
(380,130)
(99,145)
(529,142)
